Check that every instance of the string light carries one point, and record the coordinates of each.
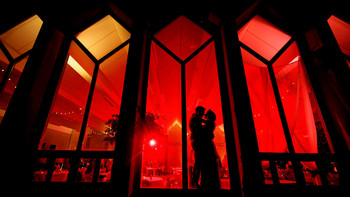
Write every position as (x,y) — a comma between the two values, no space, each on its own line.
(76,111)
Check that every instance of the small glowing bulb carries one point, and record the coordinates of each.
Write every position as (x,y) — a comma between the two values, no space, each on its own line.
(152,142)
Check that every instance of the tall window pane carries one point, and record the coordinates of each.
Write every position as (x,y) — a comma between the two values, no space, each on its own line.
(106,102)
(202,89)
(267,121)
(162,148)
(307,128)
(66,115)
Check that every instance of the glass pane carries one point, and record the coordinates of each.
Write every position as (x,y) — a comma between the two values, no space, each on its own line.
(11,85)
(308,131)
(64,122)
(267,121)
(341,31)
(41,169)
(102,124)
(182,37)
(285,172)
(311,173)
(103,36)
(267,172)
(332,175)
(60,170)
(162,148)
(207,156)
(21,38)
(105,170)
(262,37)
(86,170)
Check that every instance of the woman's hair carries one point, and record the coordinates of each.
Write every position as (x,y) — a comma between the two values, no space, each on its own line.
(210,115)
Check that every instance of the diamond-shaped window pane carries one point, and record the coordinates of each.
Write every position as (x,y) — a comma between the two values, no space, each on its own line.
(263,37)
(182,37)
(103,36)
(21,38)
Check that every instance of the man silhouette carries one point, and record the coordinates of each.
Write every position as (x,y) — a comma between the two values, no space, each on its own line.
(195,124)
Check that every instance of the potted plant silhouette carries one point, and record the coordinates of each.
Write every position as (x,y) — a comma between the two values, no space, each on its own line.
(112,127)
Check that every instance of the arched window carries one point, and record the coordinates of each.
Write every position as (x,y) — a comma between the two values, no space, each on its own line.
(182,75)
(15,48)
(85,110)
(286,114)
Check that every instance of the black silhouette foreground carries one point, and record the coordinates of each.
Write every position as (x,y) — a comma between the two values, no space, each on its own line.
(205,173)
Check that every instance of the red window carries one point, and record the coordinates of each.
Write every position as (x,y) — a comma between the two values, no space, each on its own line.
(65,121)
(260,42)
(85,111)
(286,115)
(182,62)
(15,47)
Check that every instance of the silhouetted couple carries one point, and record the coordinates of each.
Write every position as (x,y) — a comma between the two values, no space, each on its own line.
(205,154)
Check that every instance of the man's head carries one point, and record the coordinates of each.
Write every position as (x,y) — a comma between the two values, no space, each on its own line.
(200,110)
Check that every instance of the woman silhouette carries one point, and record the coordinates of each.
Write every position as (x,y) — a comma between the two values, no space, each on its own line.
(210,171)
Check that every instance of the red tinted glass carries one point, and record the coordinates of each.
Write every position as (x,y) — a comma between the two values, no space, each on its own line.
(64,122)
(182,37)
(202,89)
(162,148)
(106,102)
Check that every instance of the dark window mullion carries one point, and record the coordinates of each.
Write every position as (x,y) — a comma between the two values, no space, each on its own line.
(114,51)
(6,52)
(281,51)
(255,54)
(296,164)
(96,170)
(198,50)
(168,51)
(86,51)
(9,66)
(87,107)
(184,127)
(274,173)
(6,76)
(280,109)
